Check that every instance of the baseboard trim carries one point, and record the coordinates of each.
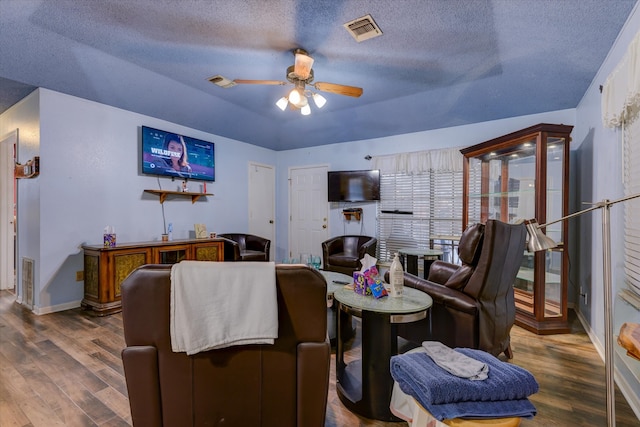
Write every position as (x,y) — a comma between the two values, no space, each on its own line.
(625,388)
(54,308)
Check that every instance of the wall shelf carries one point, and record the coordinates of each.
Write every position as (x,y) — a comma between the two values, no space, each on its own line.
(164,193)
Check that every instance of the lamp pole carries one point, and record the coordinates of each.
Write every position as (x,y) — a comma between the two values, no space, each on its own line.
(605,205)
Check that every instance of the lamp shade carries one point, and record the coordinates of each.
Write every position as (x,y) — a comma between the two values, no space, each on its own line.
(282,103)
(319,100)
(538,241)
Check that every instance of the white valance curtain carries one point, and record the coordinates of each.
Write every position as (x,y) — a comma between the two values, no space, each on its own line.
(420,162)
(621,90)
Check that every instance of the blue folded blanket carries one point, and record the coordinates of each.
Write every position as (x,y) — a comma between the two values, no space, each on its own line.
(478,410)
(419,376)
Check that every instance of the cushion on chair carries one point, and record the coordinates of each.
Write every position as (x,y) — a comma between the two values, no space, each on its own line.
(459,279)
(344,260)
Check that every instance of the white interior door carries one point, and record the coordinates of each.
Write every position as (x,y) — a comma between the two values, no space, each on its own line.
(309,214)
(262,196)
(7,211)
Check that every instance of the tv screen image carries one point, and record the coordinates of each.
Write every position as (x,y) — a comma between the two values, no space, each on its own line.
(170,154)
(353,186)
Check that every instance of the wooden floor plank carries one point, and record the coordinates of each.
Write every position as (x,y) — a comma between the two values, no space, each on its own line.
(65,369)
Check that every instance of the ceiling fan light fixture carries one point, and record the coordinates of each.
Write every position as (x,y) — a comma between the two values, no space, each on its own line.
(303,64)
(295,97)
(319,100)
(305,110)
(282,103)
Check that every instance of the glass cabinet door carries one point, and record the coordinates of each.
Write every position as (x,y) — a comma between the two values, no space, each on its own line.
(554,299)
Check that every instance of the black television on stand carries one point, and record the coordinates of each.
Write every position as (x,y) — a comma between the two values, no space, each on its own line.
(353,186)
(177,156)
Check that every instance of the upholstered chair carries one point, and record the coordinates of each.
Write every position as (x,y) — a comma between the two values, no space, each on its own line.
(245,247)
(284,384)
(473,303)
(343,253)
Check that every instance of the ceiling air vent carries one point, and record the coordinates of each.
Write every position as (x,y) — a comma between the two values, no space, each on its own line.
(363,28)
(221,81)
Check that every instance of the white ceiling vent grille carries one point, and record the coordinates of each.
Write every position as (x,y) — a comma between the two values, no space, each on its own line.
(363,28)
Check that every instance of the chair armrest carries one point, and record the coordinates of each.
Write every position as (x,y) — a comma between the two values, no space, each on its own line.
(231,249)
(368,247)
(442,295)
(143,385)
(334,245)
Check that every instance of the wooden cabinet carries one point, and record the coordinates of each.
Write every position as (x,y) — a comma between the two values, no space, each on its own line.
(519,176)
(105,268)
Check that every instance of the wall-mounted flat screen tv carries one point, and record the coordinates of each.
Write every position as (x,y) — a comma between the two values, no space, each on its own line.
(353,186)
(178,156)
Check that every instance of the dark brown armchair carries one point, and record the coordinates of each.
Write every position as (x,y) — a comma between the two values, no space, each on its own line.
(245,247)
(473,303)
(284,384)
(343,253)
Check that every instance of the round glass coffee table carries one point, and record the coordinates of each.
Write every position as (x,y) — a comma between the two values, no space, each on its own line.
(365,385)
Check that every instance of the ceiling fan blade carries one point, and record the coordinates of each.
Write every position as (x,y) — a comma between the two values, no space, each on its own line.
(260,82)
(339,89)
(303,64)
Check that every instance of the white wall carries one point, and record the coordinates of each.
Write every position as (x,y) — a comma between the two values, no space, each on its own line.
(89,158)
(351,156)
(600,152)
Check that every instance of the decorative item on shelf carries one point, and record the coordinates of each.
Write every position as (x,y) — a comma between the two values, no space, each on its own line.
(201,231)
(538,241)
(184,186)
(109,236)
(30,169)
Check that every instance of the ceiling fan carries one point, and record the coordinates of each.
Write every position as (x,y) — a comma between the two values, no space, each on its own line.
(301,76)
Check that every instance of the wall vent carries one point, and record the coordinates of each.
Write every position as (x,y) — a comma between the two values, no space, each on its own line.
(363,28)
(27,282)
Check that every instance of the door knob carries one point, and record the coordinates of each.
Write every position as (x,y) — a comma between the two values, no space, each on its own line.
(324,225)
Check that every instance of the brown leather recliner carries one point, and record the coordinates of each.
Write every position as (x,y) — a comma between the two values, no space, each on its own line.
(473,303)
(245,247)
(343,253)
(284,384)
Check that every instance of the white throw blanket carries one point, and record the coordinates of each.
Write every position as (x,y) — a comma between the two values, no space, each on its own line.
(220,304)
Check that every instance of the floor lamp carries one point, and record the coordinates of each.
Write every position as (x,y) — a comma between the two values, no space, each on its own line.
(538,241)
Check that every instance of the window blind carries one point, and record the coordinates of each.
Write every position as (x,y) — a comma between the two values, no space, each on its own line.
(415,207)
(632,209)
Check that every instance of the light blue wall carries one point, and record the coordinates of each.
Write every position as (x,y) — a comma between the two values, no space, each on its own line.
(600,159)
(24,116)
(89,161)
(351,155)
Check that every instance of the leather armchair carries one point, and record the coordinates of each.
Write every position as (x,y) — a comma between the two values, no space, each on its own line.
(245,247)
(284,384)
(343,253)
(473,303)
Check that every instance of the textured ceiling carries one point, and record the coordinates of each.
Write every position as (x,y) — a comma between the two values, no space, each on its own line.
(439,63)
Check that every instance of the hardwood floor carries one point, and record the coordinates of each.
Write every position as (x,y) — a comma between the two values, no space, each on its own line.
(64,369)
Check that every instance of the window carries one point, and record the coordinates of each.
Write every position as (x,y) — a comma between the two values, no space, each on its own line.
(420,206)
(632,209)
